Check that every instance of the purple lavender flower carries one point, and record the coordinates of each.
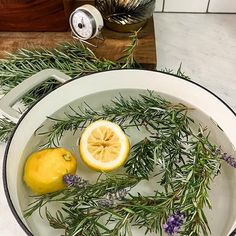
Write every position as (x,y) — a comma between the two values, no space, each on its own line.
(229,159)
(174,223)
(111,197)
(118,195)
(105,203)
(74,180)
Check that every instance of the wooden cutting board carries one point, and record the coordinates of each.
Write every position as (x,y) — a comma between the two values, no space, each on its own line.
(111,47)
(33,15)
(47,19)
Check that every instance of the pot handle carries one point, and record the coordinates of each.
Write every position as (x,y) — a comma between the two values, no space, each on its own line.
(21,89)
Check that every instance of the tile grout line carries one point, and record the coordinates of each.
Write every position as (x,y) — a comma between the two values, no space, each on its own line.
(195,12)
(208,4)
(163,6)
(204,12)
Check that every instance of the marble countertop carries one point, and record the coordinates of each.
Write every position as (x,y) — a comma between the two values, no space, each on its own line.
(205,44)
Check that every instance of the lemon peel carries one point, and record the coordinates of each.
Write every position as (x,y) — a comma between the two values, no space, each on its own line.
(44,169)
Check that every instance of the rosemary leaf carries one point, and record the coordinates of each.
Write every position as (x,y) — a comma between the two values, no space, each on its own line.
(128,58)
(141,162)
(74,59)
(187,164)
(150,111)
(111,183)
(6,128)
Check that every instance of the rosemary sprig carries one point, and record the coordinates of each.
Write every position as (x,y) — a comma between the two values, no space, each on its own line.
(74,59)
(187,193)
(128,58)
(6,127)
(186,161)
(141,162)
(150,111)
(182,74)
(179,72)
(168,142)
(111,183)
(136,210)
(190,182)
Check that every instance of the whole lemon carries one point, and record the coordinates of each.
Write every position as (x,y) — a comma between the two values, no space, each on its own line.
(44,170)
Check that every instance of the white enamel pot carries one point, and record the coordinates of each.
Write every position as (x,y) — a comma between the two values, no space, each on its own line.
(97,89)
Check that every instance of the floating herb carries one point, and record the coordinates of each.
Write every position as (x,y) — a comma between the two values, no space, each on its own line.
(80,189)
(150,111)
(74,180)
(173,223)
(183,161)
(229,159)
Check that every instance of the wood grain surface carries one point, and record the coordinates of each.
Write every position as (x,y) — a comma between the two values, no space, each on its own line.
(110,48)
(32,15)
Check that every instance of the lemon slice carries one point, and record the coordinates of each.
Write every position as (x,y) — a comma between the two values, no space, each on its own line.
(104,146)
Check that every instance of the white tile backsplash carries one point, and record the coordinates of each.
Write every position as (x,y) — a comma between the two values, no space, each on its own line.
(159,5)
(222,6)
(213,6)
(186,5)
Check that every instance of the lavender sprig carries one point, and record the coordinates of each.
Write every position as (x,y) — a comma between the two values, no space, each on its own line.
(174,223)
(104,202)
(229,159)
(74,181)
(185,183)
(118,195)
(78,189)
(111,198)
